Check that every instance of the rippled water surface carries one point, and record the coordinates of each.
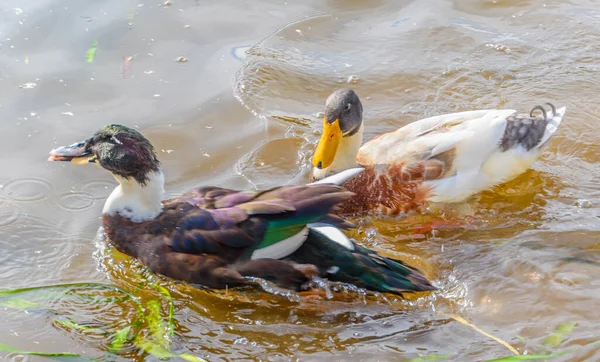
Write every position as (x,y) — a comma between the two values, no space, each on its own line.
(527,262)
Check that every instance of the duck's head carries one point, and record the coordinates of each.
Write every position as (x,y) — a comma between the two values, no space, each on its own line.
(123,151)
(342,128)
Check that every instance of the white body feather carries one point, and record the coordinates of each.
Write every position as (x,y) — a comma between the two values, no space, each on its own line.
(474,137)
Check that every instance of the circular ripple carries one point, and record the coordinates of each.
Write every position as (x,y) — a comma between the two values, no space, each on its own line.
(75,201)
(9,214)
(26,189)
(35,250)
(96,190)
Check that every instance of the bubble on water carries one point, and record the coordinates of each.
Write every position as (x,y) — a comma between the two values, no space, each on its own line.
(584,203)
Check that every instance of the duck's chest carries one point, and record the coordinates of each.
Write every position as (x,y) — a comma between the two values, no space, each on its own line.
(127,236)
(384,190)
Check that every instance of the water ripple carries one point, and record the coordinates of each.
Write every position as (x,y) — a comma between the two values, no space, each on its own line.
(9,213)
(26,189)
(74,201)
(96,189)
(35,250)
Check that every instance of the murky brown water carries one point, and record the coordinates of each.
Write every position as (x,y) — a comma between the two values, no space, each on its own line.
(530,261)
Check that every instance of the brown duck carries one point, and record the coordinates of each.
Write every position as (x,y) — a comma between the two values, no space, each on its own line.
(222,238)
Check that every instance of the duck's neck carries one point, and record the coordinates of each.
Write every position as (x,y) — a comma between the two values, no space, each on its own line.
(345,157)
(134,201)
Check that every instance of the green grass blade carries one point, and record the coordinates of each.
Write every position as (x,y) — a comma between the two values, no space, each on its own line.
(191,358)
(17,291)
(6,348)
(152,348)
(156,323)
(73,325)
(118,340)
(560,333)
(91,53)
(20,304)
(526,357)
(164,291)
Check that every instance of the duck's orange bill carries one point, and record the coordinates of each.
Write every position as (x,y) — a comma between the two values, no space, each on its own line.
(328,144)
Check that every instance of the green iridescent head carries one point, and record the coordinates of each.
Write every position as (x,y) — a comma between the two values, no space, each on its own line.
(121,150)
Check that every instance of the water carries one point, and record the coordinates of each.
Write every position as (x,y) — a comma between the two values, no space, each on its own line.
(527,263)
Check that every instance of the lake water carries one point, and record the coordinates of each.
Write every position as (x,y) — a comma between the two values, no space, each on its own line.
(527,264)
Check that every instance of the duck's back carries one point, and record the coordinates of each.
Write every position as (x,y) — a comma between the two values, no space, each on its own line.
(450,157)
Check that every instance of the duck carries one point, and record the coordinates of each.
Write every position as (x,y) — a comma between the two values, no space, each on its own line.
(223,238)
(441,159)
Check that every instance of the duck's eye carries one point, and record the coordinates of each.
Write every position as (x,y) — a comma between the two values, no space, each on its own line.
(348,106)
(115,140)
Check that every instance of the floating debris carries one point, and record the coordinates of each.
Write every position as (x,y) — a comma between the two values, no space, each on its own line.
(126,65)
(167,3)
(91,53)
(182,59)
(29,85)
(499,47)
(353,79)
(26,60)
(67,113)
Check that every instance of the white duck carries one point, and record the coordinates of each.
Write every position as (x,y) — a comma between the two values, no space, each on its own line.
(444,158)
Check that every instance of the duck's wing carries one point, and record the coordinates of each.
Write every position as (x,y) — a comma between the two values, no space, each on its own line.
(205,197)
(462,153)
(285,235)
(238,234)
(266,224)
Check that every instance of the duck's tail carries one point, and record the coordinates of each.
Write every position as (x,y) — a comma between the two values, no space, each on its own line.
(342,260)
(553,119)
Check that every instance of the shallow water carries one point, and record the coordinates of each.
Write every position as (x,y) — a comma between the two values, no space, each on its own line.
(527,263)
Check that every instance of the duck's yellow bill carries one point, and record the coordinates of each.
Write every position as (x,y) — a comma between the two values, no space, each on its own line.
(328,144)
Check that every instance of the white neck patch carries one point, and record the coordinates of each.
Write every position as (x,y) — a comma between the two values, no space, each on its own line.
(345,157)
(136,202)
